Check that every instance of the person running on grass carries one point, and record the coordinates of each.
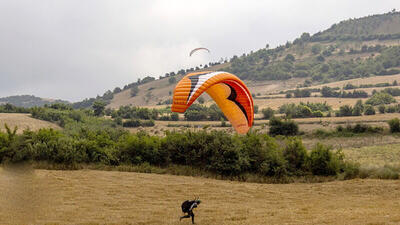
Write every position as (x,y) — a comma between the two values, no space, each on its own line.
(188,206)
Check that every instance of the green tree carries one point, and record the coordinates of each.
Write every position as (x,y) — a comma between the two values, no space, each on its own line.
(345,110)
(369,110)
(316,49)
(267,113)
(174,116)
(134,90)
(172,80)
(289,58)
(286,127)
(380,98)
(98,107)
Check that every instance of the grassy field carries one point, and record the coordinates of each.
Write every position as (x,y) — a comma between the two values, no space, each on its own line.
(275,103)
(101,197)
(24,121)
(380,155)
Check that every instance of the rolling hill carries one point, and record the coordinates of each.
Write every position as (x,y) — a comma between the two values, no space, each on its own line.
(351,49)
(28,101)
(24,122)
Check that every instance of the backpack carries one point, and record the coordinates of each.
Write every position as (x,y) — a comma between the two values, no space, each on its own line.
(186,206)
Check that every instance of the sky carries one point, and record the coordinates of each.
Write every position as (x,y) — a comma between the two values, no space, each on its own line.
(73,49)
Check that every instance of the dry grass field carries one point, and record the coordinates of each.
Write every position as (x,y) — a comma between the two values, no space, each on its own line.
(90,197)
(334,102)
(380,155)
(24,121)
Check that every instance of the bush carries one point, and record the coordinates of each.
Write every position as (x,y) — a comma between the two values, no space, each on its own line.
(318,114)
(345,110)
(380,98)
(134,90)
(267,113)
(323,162)
(287,127)
(394,125)
(369,110)
(381,108)
(138,123)
(172,80)
(296,155)
(174,116)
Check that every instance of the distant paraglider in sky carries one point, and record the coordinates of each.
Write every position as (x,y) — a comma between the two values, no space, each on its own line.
(227,90)
(197,49)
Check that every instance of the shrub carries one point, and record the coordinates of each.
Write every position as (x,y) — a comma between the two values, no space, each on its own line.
(134,90)
(286,127)
(391,109)
(138,123)
(345,110)
(174,116)
(267,113)
(171,80)
(394,125)
(296,155)
(380,98)
(358,108)
(369,110)
(381,108)
(323,162)
(318,114)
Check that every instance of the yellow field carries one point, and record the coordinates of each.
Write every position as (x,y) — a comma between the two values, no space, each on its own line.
(24,121)
(101,197)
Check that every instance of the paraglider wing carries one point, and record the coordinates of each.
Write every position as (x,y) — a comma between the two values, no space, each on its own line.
(227,90)
(197,49)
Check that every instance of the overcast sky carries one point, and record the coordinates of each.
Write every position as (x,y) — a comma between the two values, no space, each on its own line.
(74,49)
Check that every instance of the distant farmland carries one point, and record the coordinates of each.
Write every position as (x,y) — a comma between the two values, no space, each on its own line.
(24,121)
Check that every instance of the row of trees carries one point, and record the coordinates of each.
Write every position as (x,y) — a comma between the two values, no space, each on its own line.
(349,86)
(304,110)
(329,92)
(198,112)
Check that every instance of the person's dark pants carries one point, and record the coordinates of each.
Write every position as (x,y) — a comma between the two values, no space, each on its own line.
(190,214)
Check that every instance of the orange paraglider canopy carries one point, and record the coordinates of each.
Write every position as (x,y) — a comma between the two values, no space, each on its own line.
(227,90)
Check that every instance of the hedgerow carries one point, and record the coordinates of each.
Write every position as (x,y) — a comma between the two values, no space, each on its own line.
(214,151)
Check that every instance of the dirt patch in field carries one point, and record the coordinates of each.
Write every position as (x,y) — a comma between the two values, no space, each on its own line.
(101,197)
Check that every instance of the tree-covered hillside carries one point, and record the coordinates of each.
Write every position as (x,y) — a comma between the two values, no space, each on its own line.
(351,49)
(28,101)
(382,27)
